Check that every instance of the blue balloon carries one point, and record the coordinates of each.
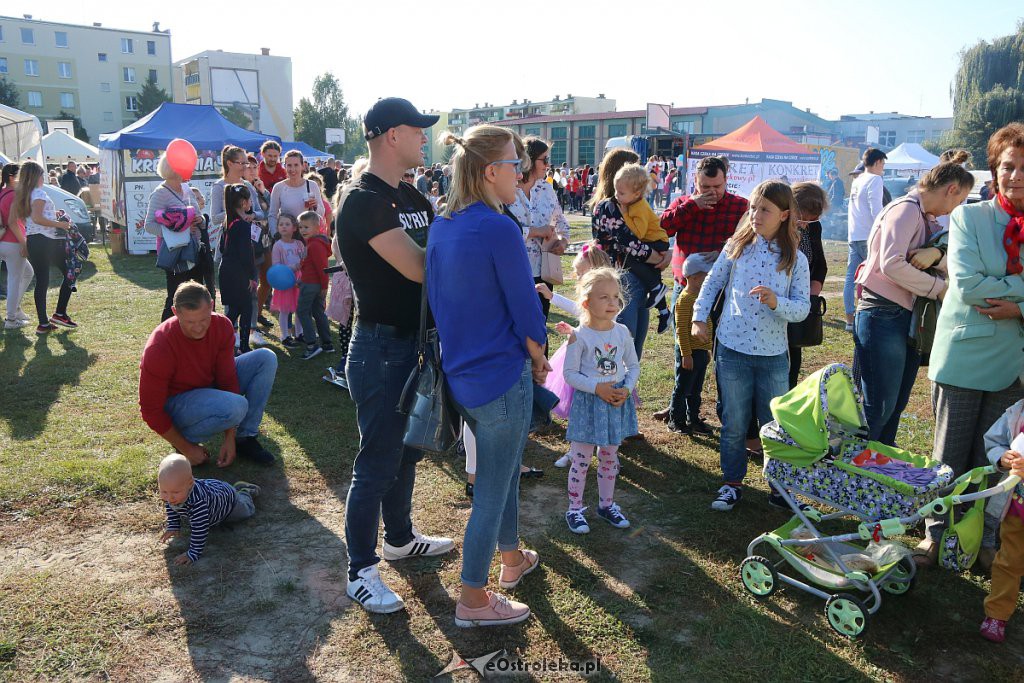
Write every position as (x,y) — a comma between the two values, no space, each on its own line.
(281,276)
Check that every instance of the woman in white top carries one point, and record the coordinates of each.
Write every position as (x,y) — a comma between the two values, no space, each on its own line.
(538,211)
(294,194)
(45,238)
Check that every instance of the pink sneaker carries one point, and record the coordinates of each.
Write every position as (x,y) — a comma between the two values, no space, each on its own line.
(511,576)
(499,611)
(993,629)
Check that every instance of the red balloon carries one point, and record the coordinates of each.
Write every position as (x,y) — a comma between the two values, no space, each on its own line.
(181,156)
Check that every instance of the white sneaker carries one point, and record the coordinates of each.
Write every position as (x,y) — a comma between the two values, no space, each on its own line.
(20,315)
(369,591)
(14,324)
(419,546)
(256,338)
(564,460)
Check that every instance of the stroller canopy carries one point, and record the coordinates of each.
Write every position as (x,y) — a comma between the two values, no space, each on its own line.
(808,412)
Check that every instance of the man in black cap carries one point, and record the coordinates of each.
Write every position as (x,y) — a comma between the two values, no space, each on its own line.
(382,232)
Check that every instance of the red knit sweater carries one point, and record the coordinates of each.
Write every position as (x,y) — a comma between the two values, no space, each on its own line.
(173,364)
(311,272)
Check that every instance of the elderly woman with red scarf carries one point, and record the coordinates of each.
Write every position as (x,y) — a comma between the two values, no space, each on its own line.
(978,353)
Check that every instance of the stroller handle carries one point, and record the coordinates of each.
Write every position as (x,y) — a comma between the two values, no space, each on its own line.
(1005,486)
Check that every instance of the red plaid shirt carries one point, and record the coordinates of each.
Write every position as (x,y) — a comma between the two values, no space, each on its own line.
(698,230)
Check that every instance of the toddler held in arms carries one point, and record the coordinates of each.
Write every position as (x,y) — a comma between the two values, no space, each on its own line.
(202,502)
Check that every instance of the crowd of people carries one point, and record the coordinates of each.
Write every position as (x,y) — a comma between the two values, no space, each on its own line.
(475,240)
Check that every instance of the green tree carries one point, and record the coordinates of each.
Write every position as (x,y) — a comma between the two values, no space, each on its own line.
(236,116)
(326,108)
(988,92)
(80,132)
(151,97)
(8,93)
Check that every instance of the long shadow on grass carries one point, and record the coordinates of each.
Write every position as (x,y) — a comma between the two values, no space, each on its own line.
(263,594)
(26,401)
(140,270)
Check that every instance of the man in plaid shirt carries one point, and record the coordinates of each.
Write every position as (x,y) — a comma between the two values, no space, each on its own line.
(701,222)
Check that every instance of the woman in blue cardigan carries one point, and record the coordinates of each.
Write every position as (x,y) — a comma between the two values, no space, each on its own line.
(492,334)
(978,352)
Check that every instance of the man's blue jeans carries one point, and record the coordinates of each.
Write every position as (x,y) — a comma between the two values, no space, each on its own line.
(745,383)
(888,367)
(200,414)
(384,471)
(857,256)
(635,316)
(501,428)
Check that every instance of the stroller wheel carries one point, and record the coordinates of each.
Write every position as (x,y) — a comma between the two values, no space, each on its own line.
(901,578)
(846,615)
(759,576)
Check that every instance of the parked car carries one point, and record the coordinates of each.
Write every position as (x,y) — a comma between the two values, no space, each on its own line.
(74,207)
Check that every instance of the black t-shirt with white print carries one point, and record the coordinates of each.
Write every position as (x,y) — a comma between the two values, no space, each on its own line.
(370,207)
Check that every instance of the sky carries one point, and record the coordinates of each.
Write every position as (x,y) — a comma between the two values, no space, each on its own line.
(831,57)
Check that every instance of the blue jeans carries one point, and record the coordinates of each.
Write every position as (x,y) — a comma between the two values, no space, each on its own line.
(501,428)
(858,253)
(888,367)
(384,470)
(745,383)
(635,316)
(201,413)
(311,308)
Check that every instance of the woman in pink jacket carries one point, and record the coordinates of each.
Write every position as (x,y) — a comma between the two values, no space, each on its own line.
(895,273)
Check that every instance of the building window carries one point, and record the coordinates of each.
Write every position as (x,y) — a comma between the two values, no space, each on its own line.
(558,152)
(558,133)
(1,34)
(128,74)
(887,138)
(104,87)
(152,75)
(585,155)
(3,65)
(31,67)
(108,116)
(127,46)
(586,131)
(684,127)
(67,100)
(61,38)
(915,136)
(131,103)
(35,99)
(150,47)
(27,37)
(616,130)
(64,69)
(102,56)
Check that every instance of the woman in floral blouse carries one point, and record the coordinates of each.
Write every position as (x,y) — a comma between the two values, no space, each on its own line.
(618,241)
(545,227)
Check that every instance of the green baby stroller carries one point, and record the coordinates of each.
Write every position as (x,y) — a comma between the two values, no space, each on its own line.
(817,447)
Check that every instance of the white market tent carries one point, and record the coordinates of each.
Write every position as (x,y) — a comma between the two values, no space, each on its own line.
(59,148)
(19,131)
(910,156)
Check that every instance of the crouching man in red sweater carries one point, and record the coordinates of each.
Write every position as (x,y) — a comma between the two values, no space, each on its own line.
(192,387)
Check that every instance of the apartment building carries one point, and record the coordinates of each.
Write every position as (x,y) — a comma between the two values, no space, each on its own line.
(93,72)
(892,129)
(257,86)
(460,119)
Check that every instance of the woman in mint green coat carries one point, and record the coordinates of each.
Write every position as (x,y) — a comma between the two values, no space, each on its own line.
(978,353)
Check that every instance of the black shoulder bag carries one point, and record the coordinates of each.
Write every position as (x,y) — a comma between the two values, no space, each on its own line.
(925,316)
(432,424)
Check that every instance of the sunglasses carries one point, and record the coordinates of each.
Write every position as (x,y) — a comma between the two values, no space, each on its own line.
(516,163)
(545,160)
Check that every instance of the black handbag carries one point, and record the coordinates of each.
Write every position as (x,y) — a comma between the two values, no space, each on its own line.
(431,424)
(810,330)
(925,316)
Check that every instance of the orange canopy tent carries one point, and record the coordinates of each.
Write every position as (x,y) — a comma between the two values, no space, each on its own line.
(757,152)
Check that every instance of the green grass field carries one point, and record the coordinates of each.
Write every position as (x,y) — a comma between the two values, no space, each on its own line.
(88,593)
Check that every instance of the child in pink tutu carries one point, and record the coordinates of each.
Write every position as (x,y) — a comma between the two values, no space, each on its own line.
(288,250)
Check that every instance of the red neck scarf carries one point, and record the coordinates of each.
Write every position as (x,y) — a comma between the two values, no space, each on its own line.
(1013,237)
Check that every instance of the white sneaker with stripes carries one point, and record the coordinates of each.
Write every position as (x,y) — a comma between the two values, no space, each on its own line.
(369,591)
(420,546)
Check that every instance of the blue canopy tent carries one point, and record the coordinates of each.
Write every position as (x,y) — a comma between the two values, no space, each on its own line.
(309,153)
(200,124)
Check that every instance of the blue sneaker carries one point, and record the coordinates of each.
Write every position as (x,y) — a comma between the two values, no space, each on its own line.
(577,522)
(613,515)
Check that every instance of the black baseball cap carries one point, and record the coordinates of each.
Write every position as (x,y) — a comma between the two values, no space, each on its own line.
(392,112)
